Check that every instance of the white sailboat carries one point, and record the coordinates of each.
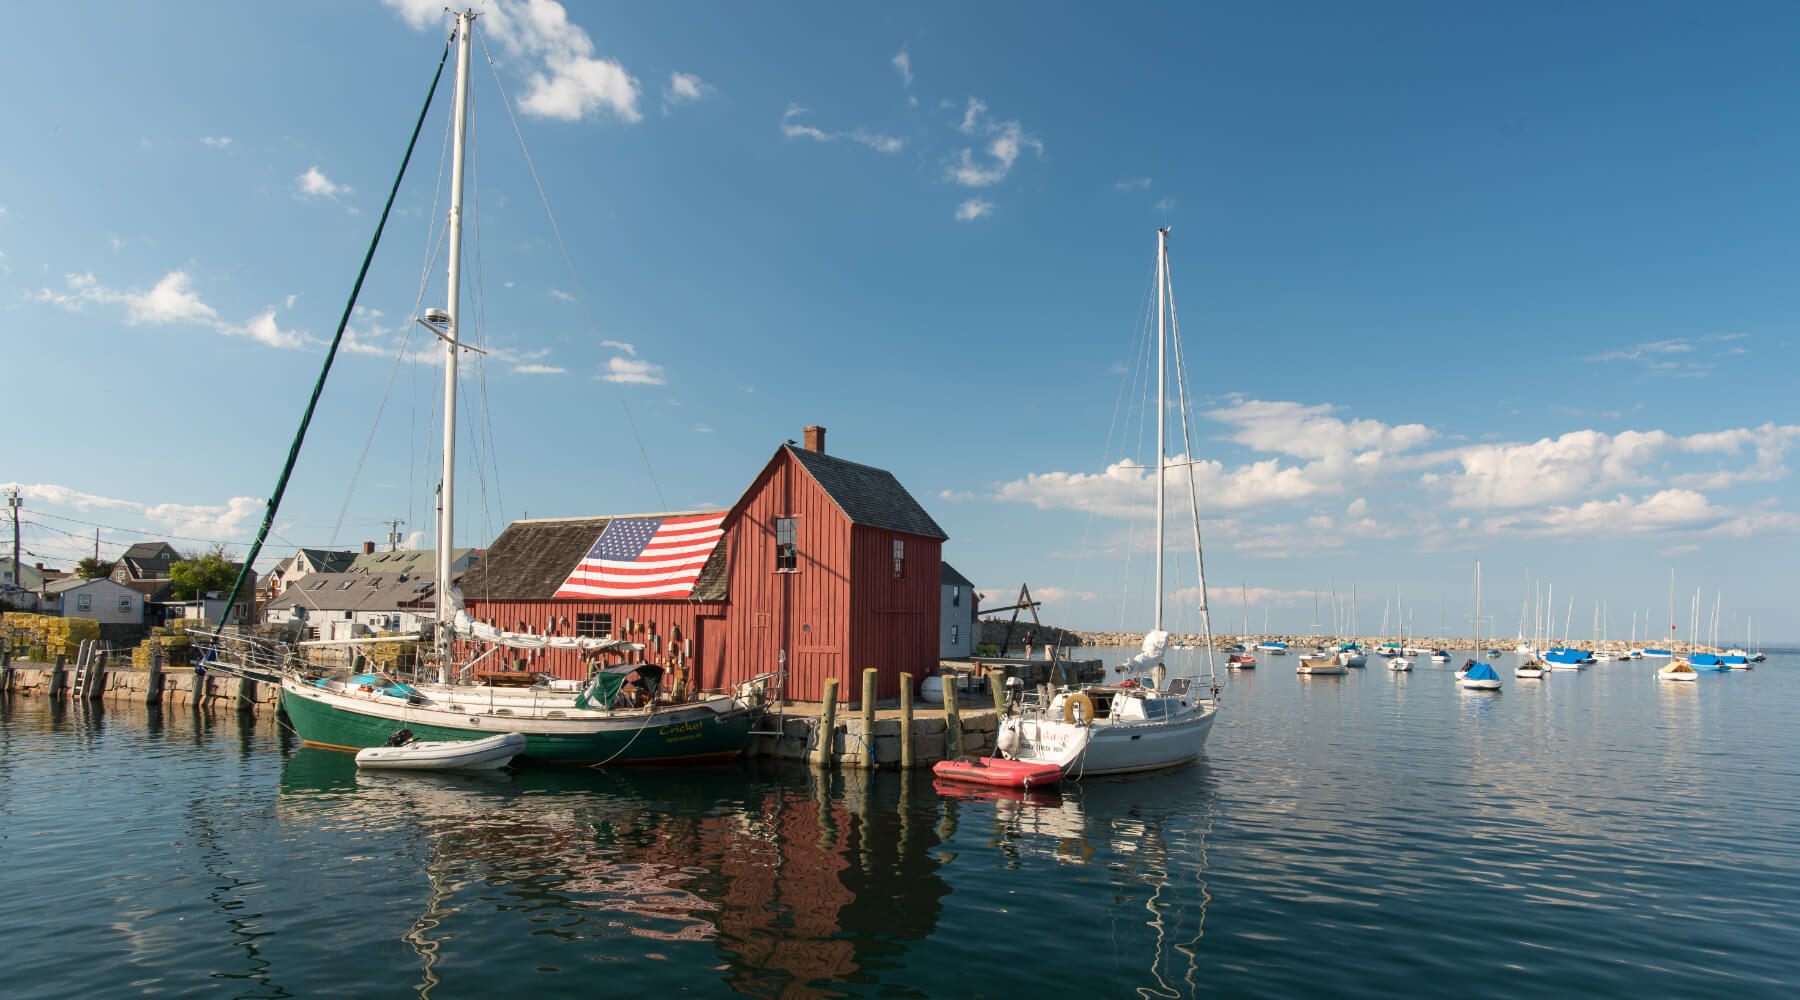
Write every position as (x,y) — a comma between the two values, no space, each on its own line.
(1139,723)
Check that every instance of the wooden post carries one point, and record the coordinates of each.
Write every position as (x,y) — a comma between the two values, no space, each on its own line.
(953,735)
(997,682)
(827,731)
(868,718)
(56,675)
(906,749)
(153,687)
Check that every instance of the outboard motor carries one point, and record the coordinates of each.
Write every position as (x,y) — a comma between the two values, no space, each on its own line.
(400,738)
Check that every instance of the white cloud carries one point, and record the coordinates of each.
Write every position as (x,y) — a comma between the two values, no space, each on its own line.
(1641,351)
(974,208)
(1288,428)
(620,345)
(534,369)
(559,293)
(1357,508)
(632,372)
(874,140)
(222,521)
(1133,184)
(702,429)
(263,329)
(1665,511)
(684,88)
(903,64)
(171,300)
(1008,140)
(1165,204)
(295,297)
(314,183)
(570,82)
(216,142)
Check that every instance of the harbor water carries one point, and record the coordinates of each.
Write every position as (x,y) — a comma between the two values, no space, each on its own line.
(1597,833)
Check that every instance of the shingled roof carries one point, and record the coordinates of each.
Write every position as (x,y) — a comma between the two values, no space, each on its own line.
(531,559)
(951,578)
(868,496)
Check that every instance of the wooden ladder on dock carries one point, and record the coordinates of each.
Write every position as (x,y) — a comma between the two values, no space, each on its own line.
(87,659)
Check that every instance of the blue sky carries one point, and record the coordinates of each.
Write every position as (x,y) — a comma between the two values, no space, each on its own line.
(1509,284)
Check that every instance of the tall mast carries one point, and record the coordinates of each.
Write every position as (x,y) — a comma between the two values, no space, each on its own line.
(1162,406)
(465,22)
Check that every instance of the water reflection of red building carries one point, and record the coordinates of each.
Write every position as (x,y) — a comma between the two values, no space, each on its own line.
(797,882)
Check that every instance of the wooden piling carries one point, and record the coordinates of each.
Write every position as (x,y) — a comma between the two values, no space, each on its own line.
(868,718)
(953,734)
(56,675)
(827,731)
(906,727)
(153,686)
(997,685)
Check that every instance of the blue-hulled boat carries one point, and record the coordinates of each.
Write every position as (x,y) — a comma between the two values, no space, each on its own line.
(1706,661)
(1566,659)
(1659,652)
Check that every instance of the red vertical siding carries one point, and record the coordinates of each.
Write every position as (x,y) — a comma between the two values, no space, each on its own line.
(894,622)
(803,613)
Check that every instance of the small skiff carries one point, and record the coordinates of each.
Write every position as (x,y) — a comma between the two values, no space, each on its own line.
(1400,663)
(489,754)
(1326,667)
(1240,661)
(1530,670)
(998,772)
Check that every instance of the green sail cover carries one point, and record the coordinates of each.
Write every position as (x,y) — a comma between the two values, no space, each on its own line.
(604,689)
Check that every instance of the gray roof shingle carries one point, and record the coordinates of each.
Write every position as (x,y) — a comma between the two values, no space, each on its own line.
(951,578)
(868,496)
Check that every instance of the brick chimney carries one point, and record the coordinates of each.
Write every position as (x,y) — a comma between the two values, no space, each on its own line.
(368,548)
(815,439)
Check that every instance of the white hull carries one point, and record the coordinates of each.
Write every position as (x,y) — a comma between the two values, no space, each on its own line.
(1671,674)
(1485,684)
(1108,747)
(1400,664)
(1355,660)
(1529,673)
(1566,666)
(490,754)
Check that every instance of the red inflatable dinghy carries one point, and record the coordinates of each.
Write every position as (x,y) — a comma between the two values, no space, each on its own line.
(998,772)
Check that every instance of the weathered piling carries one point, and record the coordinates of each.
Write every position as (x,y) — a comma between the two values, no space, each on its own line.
(997,686)
(868,718)
(153,686)
(953,734)
(906,726)
(56,675)
(827,731)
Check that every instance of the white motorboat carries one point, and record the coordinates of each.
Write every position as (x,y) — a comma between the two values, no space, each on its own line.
(1325,666)
(1400,663)
(408,754)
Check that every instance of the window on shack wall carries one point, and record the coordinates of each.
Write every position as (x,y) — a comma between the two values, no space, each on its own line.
(593,626)
(787,545)
(899,559)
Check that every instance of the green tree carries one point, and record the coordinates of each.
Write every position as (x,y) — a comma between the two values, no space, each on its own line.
(92,568)
(202,574)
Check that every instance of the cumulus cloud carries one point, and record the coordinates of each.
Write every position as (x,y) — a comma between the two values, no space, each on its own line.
(1302,431)
(314,183)
(567,81)
(974,208)
(198,520)
(903,65)
(685,88)
(216,141)
(171,300)
(620,346)
(632,371)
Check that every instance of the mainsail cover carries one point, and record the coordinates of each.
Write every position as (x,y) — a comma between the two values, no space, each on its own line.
(468,628)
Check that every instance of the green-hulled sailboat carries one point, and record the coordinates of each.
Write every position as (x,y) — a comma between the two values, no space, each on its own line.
(560,726)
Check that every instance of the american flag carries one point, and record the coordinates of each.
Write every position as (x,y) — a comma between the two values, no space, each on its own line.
(646,557)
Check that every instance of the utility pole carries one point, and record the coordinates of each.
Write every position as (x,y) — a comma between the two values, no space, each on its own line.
(13,501)
(96,546)
(394,534)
